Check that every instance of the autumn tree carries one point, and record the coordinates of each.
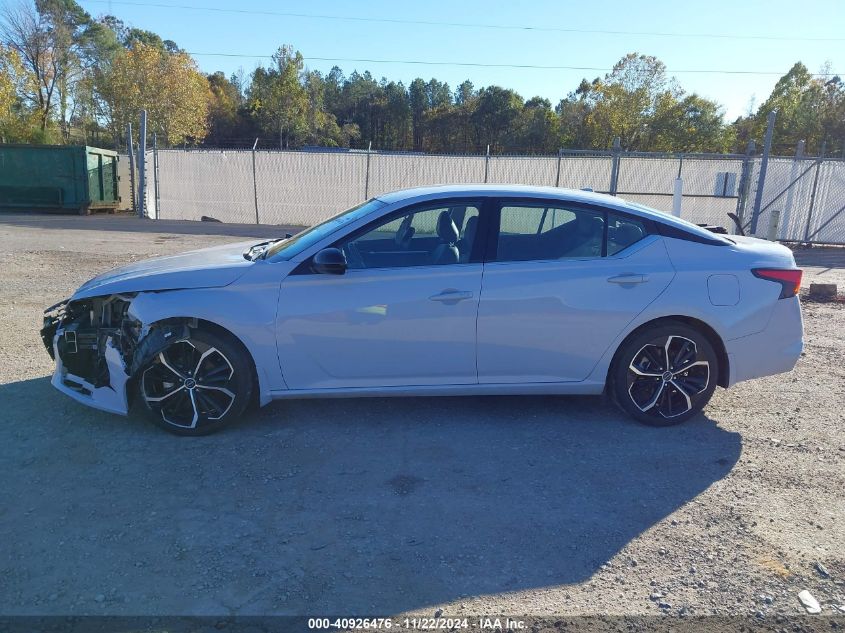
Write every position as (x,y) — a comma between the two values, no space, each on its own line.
(278,100)
(24,31)
(228,118)
(167,85)
(14,117)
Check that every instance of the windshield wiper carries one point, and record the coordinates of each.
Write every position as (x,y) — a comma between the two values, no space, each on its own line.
(258,251)
(266,250)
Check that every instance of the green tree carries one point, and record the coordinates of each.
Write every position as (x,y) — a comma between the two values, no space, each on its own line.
(496,117)
(322,125)
(626,100)
(278,99)
(689,124)
(808,108)
(538,131)
(572,114)
(418,99)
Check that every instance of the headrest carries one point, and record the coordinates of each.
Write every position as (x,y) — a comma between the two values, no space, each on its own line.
(589,224)
(627,234)
(470,228)
(446,229)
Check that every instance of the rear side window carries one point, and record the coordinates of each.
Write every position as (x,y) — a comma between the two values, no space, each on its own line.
(622,232)
(536,232)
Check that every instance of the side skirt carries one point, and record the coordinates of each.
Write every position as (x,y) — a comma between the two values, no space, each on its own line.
(488,389)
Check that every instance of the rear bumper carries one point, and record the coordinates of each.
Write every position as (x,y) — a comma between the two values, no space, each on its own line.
(773,350)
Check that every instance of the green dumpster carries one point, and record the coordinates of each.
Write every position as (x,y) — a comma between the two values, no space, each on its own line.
(58,177)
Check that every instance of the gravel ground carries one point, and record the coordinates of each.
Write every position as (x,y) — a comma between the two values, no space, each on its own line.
(509,505)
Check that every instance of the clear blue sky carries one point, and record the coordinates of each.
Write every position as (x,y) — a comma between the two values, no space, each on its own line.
(257,35)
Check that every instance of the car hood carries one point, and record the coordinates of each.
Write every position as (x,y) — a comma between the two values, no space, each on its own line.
(206,268)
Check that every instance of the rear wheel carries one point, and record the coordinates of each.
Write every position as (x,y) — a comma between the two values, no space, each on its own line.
(665,374)
(197,385)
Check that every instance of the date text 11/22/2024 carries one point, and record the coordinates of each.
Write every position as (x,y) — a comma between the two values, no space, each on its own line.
(422,624)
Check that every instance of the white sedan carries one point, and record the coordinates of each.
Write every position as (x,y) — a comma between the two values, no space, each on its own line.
(452,290)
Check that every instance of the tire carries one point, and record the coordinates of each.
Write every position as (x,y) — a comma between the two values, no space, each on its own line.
(656,394)
(197,386)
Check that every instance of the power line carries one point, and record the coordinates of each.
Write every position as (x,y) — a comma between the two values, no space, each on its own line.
(493,65)
(509,27)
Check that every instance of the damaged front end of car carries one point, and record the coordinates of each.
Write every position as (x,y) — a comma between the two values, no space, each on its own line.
(99,346)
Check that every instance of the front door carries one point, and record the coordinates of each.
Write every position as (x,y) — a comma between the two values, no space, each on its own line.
(403,314)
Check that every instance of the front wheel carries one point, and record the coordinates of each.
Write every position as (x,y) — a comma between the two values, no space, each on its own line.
(665,374)
(197,385)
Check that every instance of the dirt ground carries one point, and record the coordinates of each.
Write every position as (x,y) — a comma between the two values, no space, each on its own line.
(508,505)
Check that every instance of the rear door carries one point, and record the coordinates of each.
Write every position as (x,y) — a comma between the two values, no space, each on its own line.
(561,281)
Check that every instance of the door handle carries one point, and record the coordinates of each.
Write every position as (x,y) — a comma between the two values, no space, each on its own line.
(628,278)
(450,296)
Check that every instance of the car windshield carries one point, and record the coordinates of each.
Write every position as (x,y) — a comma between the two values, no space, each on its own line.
(286,249)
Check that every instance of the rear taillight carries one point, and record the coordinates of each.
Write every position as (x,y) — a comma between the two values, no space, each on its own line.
(789,279)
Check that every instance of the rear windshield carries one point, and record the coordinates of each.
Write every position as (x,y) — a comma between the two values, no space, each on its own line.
(683,225)
(286,249)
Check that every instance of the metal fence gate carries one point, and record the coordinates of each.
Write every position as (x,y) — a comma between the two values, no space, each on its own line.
(802,200)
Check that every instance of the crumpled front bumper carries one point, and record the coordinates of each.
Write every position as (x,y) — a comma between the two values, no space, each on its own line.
(111,398)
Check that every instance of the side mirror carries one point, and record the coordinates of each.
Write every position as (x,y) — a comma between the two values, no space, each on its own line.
(329,261)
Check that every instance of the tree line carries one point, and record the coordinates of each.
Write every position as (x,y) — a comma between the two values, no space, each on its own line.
(66,77)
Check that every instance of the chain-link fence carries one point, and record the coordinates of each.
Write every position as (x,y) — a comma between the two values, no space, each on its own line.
(802,198)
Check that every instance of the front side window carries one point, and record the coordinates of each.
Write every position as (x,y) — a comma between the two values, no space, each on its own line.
(430,236)
(539,232)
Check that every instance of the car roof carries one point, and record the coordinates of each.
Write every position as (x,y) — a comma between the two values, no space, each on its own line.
(422,194)
(527,191)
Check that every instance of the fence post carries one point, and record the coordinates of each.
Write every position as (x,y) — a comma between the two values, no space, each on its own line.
(142,165)
(764,164)
(254,182)
(156,197)
(775,222)
(678,193)
(745,182)
(486,163)
(130,150)
(557,178)
(367,176)
(813,193)
(614,166)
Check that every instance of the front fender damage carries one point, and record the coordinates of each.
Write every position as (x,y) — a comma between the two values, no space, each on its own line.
(99,346)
